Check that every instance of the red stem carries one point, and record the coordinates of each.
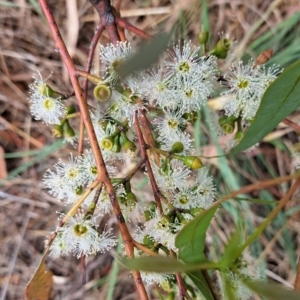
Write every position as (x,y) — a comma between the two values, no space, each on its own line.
(102,171)
(126,25)
(145,157)
(107,18)
(88,67)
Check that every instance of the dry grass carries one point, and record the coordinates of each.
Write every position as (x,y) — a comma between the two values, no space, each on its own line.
(27,212)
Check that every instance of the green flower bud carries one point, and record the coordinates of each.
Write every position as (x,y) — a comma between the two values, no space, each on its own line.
(128,146)
(191,117)
(147,214)
(221,49)
(203,37)
(131,199)
(107,143)
(70,109)
(68,131)
(47,91)
(152,206)
(78,190)
(103,124)
(239,135)
(147,241)
(196,211)
(57,131)
(177,147)
(227,124)
(192,162)
(102,92)
(117,145)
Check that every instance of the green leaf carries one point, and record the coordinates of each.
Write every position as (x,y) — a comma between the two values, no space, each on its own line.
(280,100)
(200,282)
(231,251)
(271,291)
(146,56)
(191,239)
(159,264)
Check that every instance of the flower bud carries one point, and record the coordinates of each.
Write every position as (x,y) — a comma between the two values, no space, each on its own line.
(196,211)
(239,135)
(227,124)
(107,143)
(191,117)
(131,199)
(68,131)
(222,48)
(192,162)
(70,109)
(147,214)
(128,146)
(102,92)
(148,241)
(47,91)
(78,190)
(103,124)
(57,131)
(203,37)
(152,206)
(177,147)
(117,145)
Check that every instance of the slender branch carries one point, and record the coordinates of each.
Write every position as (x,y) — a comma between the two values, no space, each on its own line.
(290,123)
(126,25)
(134,170)
(144,249)
(144,155)
(88,76)
(102,171)
(88,67)
(107,18)
(182,290)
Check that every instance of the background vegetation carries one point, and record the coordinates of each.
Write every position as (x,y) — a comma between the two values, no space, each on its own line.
(28,213)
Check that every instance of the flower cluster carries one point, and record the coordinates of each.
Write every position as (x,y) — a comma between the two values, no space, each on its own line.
(175,91)
(81,237)
(45,104)
(247,85)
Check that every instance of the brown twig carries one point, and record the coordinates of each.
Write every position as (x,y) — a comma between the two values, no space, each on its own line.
(144,155)
(107,18)
(290,123)
(88,67)
(182,290)
(126,25)
(102,171)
